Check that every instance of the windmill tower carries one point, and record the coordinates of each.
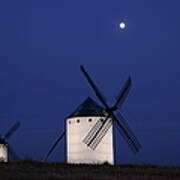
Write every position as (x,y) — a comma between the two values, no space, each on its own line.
(89,130)
(87,115)
(5,148)
(3,151)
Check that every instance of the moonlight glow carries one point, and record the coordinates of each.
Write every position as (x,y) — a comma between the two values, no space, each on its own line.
(122,25)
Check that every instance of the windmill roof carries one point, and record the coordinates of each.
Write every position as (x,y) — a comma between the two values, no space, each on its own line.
(2,141)
(88,108)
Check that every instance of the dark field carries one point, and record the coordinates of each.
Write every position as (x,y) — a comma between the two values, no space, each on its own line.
(53,171)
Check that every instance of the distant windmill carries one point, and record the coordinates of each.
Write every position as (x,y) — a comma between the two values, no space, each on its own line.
(5,148)
(90,129)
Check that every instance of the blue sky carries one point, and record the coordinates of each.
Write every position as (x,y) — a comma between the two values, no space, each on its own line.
(42,45)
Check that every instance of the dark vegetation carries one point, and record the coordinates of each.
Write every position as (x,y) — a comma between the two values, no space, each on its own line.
(31,170)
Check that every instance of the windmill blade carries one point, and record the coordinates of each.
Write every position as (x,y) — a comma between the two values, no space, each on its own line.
(92,132)
(94,87)
(11,130)
(126,135)
(123,93)
(53,146)
(91,137)
(101,135)
(130,132)
(12,153)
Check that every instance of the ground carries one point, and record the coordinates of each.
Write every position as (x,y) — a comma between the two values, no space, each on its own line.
(44,171)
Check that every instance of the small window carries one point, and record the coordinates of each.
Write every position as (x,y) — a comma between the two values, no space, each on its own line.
(90,120)
(101,120)
(78,121)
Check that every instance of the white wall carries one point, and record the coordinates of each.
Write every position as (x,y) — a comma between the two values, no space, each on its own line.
(78,152)
(3,153)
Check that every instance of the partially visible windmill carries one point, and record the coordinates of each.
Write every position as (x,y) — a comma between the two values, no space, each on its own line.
(96,134)
(5,148)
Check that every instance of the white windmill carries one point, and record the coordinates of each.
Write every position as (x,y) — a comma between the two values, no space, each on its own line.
(86,116)
(89,130)
(5,148)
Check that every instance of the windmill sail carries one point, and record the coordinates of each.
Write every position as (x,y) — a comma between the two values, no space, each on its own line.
(93,131)
(54,146)
(11,130)
(99,130)
(128,137)
(95,142)
(94,87)
(128,129)
(123,93)
(96,132)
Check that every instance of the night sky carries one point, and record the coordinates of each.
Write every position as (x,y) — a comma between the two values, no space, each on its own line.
(42,45)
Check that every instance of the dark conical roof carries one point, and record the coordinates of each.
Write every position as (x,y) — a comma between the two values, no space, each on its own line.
(88,108)
(2,141)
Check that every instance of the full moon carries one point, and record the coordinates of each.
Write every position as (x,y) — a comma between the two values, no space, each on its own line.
(122,25)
